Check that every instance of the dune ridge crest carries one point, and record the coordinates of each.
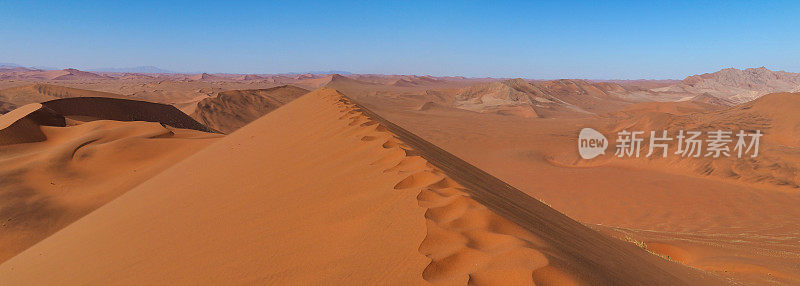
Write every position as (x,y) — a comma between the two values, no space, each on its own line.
(465,241)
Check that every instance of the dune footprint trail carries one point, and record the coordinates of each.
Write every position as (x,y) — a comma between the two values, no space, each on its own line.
(324,192)
(466,242)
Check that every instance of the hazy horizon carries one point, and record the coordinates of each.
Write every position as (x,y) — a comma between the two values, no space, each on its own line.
(341,72)
(615,40)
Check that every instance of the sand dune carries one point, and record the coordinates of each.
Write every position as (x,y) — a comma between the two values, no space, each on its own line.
(40,92)
(250,77)
(653,115)
(230,110)
(136,76)
(712,100)
(429,105)
(39,75)
(65,168)
(496,94)
(22,125)
(93,108)
(327,192)
(332,81)
(411,81)
(204,76)
(74,74)
(773,114)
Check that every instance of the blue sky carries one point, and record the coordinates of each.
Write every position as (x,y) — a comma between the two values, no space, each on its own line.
(558,39)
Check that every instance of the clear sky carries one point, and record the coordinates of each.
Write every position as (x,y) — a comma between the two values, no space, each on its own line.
(554,39)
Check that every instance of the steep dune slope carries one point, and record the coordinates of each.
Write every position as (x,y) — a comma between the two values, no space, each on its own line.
(230,110)
(124,110)
(327,192)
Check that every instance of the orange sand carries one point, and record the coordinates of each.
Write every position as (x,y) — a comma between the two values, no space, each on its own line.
(317,192)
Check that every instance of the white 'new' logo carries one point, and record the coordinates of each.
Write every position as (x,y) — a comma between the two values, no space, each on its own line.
(591,143)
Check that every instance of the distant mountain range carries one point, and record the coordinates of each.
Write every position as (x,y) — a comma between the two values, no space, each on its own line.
(141,69)
(9,66)
(730,84)
(320,72)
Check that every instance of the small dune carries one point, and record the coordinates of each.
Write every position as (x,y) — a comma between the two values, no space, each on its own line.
(22,125)
(428,105)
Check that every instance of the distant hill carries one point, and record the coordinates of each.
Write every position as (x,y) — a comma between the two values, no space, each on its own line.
(9,66)
(320,72)
(336,81)
(738,85)
(411,81)
(204,77)
(546,98)
(140,69)
(40,92)
(75,74)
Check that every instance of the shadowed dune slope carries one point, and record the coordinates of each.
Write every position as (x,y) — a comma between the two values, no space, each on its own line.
(230,110)
(22,124)
(124,110)
(6,107)
(325,192)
